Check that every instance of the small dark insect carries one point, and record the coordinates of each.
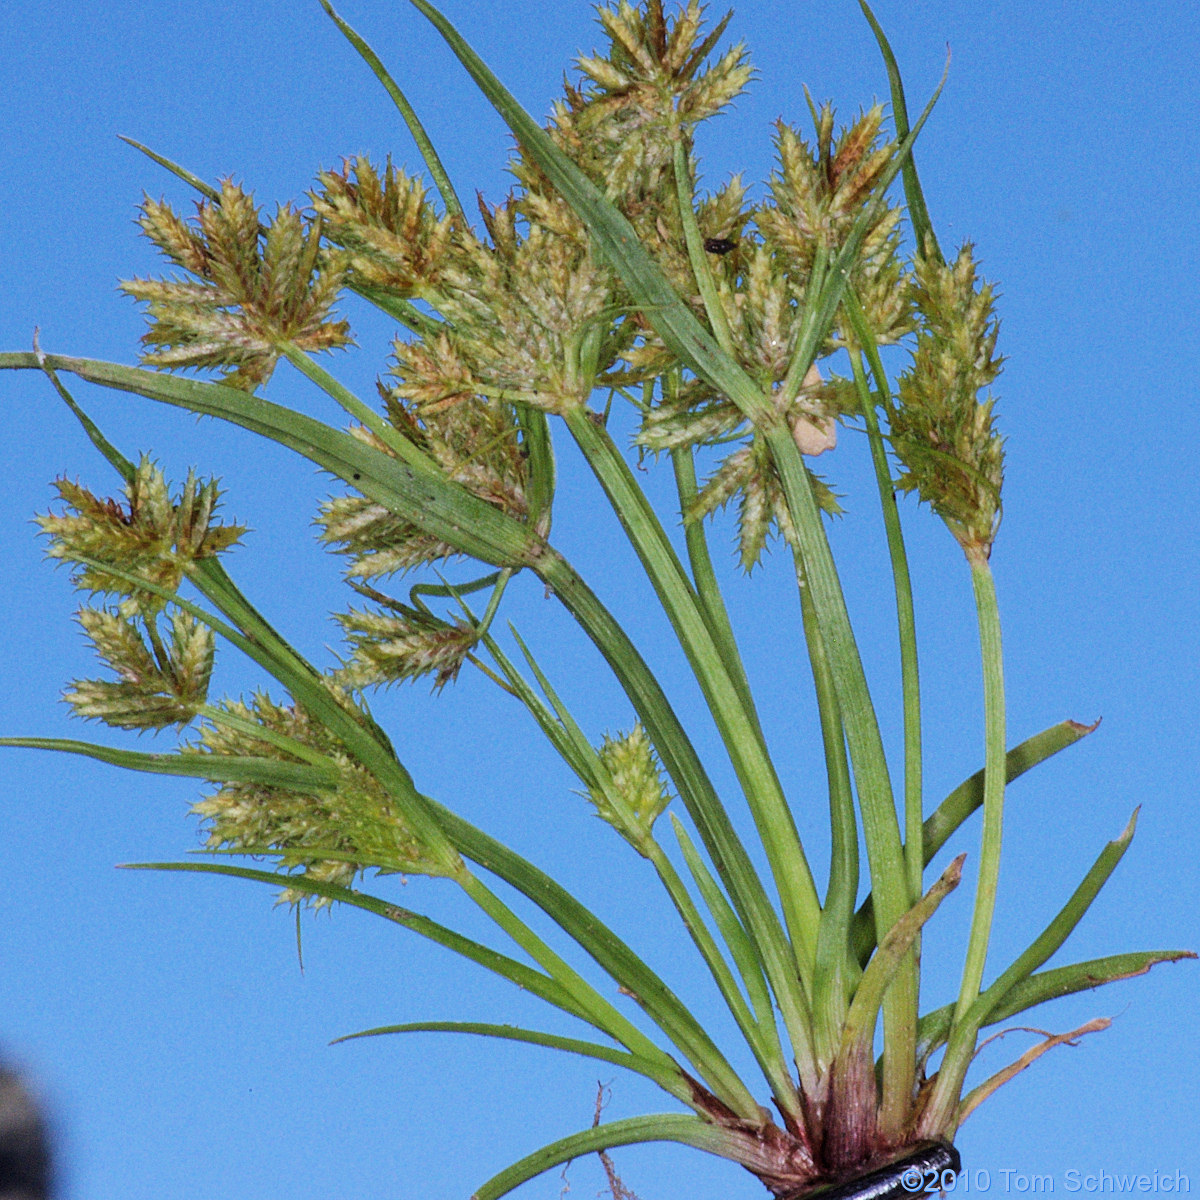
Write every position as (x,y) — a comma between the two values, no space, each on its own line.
(719,245)
(357,475)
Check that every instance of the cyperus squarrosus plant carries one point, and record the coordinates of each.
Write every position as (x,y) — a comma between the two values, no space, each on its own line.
(728,325)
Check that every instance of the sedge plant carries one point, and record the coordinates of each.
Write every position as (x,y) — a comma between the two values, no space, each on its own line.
(743,333)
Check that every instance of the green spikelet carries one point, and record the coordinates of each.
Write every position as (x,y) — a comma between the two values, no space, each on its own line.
(352,816)
(397,641)
(160,684)
(632,796)
(395,239)
(941,430)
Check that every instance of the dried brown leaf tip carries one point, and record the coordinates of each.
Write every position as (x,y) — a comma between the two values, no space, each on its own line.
(941,430)
(395,238)
(256,288)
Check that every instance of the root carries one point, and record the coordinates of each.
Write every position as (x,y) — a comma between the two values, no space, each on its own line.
(616,1188)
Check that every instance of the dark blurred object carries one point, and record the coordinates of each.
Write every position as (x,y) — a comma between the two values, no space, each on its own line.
(24,1147)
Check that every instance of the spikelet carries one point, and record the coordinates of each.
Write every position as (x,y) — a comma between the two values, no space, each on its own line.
(157,685)
(352,814)
(153,535)
(631,774)
(257,288)
(395,239)
(532,314)
(941,430)
(693,416)
(396,641)
(817,194)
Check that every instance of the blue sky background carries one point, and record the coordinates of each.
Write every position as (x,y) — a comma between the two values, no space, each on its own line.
(180,1048)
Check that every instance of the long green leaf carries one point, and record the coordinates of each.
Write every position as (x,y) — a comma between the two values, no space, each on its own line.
(963,801)
(407,112)
(512,1033)
(564,732)
(938,1117)
(611,953)
(524,977)
(295,673)
(216,768)
(660,1127)
(417,491)
(660,1068)
(1043,986)
(902,585)
(968,796)
(885,853)
(262,645)
(205,189)
(684,335)
(742,947)
(704,577)
(256,638)
(918,212)
(759,1030)
(429,821)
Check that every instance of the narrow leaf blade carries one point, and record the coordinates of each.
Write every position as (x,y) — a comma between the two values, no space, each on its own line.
(660,1127)
(215,768)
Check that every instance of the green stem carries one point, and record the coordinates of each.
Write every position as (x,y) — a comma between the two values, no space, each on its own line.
(695,789)
(905,616)
(806,338)
(402,309)
(835,970)
(885,852)
(739,727)
(698,256)
(914,197)
(745,952)
(763,1039)
(993,782)
(337,391)
(705,577)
